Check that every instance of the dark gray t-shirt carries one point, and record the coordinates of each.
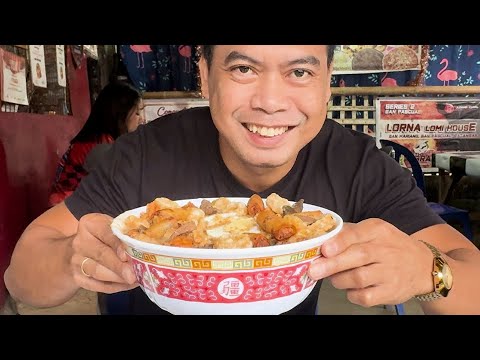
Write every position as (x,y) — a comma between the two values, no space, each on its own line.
(177,156)
(95,156)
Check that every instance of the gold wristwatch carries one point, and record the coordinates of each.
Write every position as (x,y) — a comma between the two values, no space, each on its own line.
(442,277)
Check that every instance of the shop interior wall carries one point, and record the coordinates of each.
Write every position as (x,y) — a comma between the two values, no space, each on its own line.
(32,146)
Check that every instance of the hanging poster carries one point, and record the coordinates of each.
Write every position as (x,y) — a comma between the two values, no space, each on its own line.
(37,65)
(77,54)
(360,59)
(91,51)
(429,125)
(61,73)
(13,77)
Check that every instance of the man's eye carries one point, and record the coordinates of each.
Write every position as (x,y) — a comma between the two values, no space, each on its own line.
(299,73)
(243,69)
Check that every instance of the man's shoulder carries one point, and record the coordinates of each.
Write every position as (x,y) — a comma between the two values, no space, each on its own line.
(95,156)
(346,150)
(343,138)
(183,119)
(348,134)
(179,128)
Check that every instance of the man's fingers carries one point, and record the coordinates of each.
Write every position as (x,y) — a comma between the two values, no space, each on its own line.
(351,234)
(121,253)
(371,296)
(359,278)
(96,241)
(353,257)
(104,287)
(107,257)
(93,269)
(98,225)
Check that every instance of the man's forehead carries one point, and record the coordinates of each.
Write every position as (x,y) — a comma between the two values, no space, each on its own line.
(285,51)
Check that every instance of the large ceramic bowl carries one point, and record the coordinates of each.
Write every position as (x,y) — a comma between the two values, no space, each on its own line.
(192,281)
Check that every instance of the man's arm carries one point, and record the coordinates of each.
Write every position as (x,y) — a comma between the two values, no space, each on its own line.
(45,265)
(463,257)
(39,272)
(45,268)
(376,263)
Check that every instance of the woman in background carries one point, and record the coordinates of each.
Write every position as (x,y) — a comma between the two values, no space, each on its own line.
(117,110)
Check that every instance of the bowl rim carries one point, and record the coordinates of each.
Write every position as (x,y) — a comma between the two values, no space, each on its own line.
(191,252)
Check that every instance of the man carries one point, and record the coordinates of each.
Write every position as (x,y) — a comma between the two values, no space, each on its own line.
(265,131)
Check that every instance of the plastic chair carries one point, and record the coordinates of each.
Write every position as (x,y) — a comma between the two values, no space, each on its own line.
(400,309)
(446,212)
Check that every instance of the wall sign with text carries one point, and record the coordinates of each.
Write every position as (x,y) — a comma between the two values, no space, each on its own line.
(13,78)
(155,108)
(429,125)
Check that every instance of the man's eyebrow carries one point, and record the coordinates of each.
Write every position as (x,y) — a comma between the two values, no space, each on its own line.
(235,56)
(307,60)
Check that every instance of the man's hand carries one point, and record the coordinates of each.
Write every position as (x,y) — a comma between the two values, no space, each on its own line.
(375,263)
(99,262)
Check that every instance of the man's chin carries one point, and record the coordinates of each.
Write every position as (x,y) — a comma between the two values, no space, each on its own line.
(266,163)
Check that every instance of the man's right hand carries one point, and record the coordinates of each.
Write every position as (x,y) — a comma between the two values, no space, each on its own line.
(99,262)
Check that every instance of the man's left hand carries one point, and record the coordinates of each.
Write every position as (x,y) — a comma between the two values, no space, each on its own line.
(375,263)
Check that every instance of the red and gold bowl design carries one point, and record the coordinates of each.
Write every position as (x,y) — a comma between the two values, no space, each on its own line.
(261,280)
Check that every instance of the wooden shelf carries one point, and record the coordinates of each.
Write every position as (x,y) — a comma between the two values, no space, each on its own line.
(172,95)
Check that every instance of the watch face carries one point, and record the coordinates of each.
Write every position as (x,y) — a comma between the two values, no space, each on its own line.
(447,277)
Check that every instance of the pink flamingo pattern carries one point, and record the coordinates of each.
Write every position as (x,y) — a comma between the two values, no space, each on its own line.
(462,69)
(186,52)
(446,75)
(386,81)
(470,52)
(139,50)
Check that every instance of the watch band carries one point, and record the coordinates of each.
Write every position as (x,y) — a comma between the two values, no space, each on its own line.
(433,249)
(433,295)
(428,297)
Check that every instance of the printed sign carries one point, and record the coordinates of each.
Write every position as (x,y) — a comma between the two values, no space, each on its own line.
(77,54)
(91,51)
(13,77)
(61,74)
(37,65)
(359,59)
(155,108)
(430,125)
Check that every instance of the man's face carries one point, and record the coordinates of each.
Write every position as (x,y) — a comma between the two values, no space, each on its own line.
(267,102)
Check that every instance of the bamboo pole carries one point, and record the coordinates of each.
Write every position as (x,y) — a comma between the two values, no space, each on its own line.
(354,90)
(405,90)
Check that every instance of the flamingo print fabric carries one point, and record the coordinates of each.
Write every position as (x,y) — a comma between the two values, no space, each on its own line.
(161,67)
(448,65)
(172,67)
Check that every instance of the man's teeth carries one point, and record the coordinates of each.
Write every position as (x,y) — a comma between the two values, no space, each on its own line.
(267,131)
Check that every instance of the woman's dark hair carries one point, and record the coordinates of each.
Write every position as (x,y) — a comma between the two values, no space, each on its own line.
(110,112)
(207,52)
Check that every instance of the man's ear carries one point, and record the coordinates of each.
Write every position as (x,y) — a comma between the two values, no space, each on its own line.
(202,65)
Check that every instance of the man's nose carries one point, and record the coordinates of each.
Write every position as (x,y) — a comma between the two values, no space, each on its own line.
(270,95)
